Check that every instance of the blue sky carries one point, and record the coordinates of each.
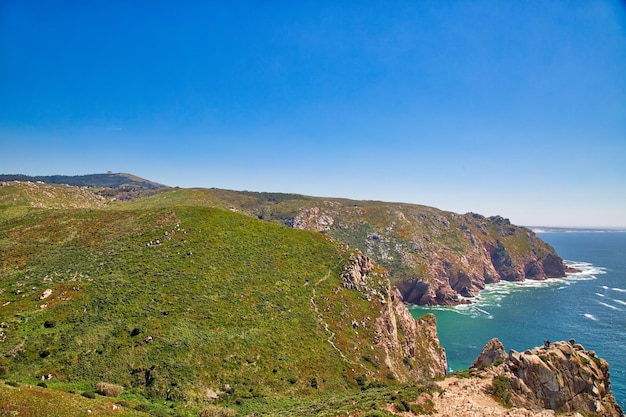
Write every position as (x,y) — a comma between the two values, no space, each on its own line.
(513,108)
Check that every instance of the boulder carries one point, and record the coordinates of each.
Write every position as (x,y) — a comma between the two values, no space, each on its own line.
(491,353)
(563,377)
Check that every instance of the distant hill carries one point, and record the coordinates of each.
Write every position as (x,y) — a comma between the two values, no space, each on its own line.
(433,256)
(109,180)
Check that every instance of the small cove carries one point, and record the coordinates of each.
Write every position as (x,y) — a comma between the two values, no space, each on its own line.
(589,306)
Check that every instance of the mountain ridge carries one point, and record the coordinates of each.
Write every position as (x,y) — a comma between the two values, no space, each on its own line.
(108,180)
(434,257)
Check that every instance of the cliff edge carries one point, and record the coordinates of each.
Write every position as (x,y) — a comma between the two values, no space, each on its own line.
(559,376)
(411,347)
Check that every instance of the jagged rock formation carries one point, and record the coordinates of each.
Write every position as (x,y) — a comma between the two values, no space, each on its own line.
(434,257)
(412,349)
(491,353)
(560,376)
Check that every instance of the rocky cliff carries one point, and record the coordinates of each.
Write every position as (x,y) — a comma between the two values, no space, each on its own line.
(411,347)
(434,257)
(560,376)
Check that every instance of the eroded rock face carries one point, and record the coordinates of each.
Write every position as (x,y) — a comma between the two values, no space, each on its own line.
(561,376)
(435,257)
(412,349)
(491,353)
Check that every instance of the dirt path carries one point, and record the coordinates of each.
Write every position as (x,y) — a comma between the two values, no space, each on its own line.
(466,397)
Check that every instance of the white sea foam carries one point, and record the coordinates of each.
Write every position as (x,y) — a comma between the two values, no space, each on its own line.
(591,317)
(492,294)
(618,289)
(609,306)
(622,302)
(600,295)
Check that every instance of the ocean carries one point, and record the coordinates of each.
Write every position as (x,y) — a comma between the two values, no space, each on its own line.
(589,307)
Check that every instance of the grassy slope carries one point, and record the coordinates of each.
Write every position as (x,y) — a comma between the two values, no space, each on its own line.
(26,401)
(404,238)
(222,300)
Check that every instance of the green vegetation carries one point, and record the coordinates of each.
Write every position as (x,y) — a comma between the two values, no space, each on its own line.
(501,389)
(175,307)
(184,302)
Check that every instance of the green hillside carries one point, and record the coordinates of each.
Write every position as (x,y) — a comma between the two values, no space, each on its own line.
(186,304)
(433,256)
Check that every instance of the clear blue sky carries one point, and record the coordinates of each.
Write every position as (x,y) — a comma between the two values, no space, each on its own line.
(515,108)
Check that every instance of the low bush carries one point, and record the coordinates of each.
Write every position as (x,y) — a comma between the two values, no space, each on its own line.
(501,389)
(88,394)
(214,411)
(108,390)
(144,408)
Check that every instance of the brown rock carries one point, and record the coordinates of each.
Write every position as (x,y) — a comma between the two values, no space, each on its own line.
(563,378)
(493,351)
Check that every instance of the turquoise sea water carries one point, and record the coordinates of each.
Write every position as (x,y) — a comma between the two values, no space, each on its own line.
(589,306)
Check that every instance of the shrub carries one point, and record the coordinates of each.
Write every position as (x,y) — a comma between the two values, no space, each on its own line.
(49,324)
(12,383)
(498,362)
(108,390)
(377,413)
(144,408)
(214,411)
(88,394)
(501,389)
(42,385)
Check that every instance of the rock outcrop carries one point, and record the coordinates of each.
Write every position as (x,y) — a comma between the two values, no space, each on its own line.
(491,353)
(411,347)
(434,257)
(560,376)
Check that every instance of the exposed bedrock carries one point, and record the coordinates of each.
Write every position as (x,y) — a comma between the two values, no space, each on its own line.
(411,347)
(561,376)
(453,283)
(434,257)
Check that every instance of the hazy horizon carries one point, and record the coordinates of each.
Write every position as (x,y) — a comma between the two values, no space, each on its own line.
(512,109)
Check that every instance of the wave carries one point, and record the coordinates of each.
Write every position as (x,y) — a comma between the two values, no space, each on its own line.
(584,269)
(590,317)
(622,302)
(600,295)
(492,294)
(618,289)
(610,306)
